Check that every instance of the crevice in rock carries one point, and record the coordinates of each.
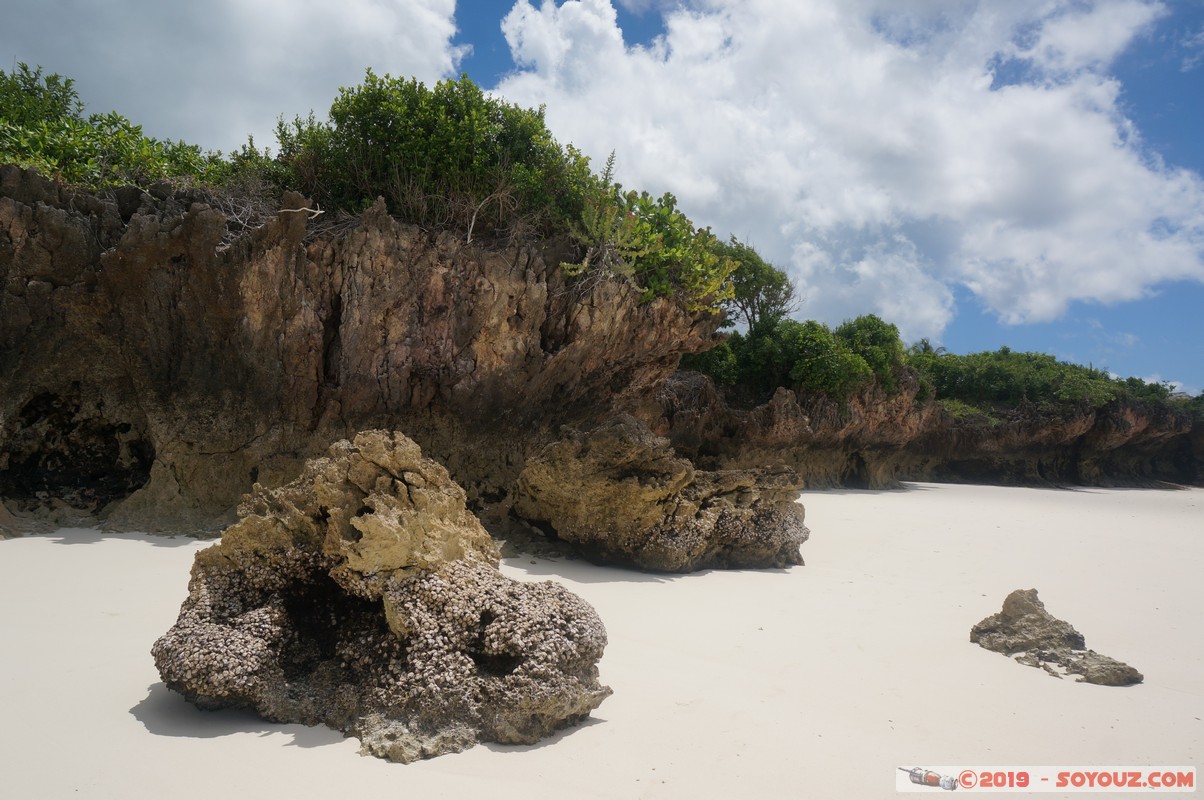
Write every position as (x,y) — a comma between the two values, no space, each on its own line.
(64,446)
(332,342)
(329,625)
(497,665)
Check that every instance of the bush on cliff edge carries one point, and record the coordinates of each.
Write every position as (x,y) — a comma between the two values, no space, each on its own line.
(42,125)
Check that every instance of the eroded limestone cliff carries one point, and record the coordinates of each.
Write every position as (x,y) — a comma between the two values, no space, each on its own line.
(876,440)
(157,361)
(158,356)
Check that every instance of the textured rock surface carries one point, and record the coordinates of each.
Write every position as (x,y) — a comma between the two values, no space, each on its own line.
(1026,631)
(364,595)
(155,362)
(875,440)
(621,494)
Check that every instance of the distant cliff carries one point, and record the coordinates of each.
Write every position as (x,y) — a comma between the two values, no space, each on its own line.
(154,366)
(877,440)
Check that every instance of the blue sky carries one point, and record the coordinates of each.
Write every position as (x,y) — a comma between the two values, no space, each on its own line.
(981,173)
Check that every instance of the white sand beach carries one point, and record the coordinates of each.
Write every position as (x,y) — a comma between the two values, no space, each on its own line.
(818,681)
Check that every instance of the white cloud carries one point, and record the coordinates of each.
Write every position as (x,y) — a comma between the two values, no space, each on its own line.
(1193,51)
(644,6)
(213,72)
(866,145)
(1091,35)
(1175,386)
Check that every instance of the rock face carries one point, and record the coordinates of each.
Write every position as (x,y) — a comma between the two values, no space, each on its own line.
(861,445)
(157,358)
(365,596)
(622,495)
(875,440)
(1025,630)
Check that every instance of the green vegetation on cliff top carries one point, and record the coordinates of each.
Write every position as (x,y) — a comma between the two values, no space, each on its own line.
(811,358)
(447,157)
(450,157)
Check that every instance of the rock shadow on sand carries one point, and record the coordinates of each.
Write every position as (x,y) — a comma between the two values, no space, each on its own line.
(558,736)
(164,713)
(96,536)
(580,570)
(845,491)
(585,571)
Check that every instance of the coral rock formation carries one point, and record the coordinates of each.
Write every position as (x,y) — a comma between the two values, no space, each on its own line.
(157,357)
(1025,630)
(875,440)
(622,495)
(365,596)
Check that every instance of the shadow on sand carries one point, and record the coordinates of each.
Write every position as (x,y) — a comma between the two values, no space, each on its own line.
(559,735)
(96,536)
(580,571)
(165,713)
(841,491)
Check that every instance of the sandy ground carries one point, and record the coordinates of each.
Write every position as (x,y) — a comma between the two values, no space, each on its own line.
(816,681)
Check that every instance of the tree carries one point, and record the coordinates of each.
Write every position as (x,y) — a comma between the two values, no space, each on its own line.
(823,362)
(762,294)
(29,97)
(800,355)
(878,343)
(925,348)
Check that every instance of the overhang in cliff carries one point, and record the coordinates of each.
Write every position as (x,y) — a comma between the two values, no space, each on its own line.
(155,335)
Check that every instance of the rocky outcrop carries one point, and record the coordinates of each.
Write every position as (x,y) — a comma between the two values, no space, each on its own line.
(365,596)
(861,444)
(157,357)
(621,494)
(876,441)
(1033,636)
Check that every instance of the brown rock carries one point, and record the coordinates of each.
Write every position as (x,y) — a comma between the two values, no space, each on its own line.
(365,596)
(1025,630)
(158,356)
(621,494)
(875,440)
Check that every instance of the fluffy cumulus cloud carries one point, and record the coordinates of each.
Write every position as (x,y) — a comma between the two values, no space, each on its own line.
(213,72)
(885,151)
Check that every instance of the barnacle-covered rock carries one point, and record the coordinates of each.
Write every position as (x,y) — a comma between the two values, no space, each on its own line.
(364,595)
(1024,630)
(622,494)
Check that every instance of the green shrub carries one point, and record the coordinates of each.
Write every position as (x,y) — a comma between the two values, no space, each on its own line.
(653,242)
(1008,378)
(959,409)
(447,156)
(806,356)
(878,343)
(719,362)
(1195,405)
(824,362)
(42,126)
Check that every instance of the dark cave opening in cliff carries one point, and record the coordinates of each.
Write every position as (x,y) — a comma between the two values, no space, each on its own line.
(66,445)
(856,474)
